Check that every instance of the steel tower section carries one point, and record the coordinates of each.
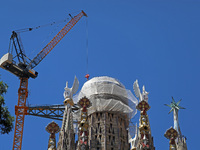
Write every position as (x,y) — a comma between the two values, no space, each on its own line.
(49,111)
(20,111)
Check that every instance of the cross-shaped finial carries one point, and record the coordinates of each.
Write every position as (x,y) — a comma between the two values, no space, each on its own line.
(84,102)
(52,128)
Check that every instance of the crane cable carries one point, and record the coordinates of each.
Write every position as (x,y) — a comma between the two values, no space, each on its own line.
(45,25)
(48,36)
(87,62)
(87,45)
(40,26)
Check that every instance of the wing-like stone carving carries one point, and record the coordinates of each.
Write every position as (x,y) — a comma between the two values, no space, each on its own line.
(141,96)
(69,92)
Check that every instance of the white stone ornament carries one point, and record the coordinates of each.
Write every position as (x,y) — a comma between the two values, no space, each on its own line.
(68,93)
(143,95)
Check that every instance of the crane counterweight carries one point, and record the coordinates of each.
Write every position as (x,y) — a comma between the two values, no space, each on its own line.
(20,70)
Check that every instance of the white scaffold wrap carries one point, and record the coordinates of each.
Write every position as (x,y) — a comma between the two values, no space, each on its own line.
(107,94)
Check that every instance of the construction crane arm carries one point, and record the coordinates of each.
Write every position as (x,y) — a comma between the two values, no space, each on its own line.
(45,51)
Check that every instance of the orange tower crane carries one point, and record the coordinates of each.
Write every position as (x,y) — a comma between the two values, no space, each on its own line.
(23,68)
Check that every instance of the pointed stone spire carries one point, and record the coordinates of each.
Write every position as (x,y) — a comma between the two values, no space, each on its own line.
(145,140)
(175,108)
(135,140)
(181,140)
(84,103)
(67,135)
(52,128)
(171,134)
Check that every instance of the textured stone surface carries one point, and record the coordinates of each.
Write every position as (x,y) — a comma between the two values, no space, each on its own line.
(107,131)
(66,135)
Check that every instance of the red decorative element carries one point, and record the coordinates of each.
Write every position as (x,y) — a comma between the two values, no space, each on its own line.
(144,111)
(84,109)
(84,102)
(143,145)
(85,142)
(142,135)
(52,128)
(81,141)
(172,141)
(87,76)
(143,106)
(171,134)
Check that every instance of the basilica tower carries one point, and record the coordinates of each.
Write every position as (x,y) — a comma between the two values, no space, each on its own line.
(103,124)
(179,140)
(143,139)
(108,117)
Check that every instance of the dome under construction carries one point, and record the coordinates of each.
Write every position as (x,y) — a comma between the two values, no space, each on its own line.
(108,94)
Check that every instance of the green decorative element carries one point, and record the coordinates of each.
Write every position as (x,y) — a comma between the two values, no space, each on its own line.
(175,108)
(174,105)
(6,120)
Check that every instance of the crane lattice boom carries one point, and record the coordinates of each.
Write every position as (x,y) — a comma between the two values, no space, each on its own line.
(45,51)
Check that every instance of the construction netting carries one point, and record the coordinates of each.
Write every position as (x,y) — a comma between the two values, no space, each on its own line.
(107,94)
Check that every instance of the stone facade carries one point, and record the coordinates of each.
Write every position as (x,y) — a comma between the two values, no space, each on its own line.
(181,144)
(67,135)
(108,131)
(145,139)
(104,125)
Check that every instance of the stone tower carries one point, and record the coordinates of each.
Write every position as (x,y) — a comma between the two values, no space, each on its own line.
(67,135)
(102,110)
(52,128)
(180,141)
(108,131)
(108,117)
(143,139)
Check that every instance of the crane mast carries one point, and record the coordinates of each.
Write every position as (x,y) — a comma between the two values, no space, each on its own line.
(24,71)
(20,112)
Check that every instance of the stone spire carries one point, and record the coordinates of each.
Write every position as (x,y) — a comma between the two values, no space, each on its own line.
(52,128)
(175,108)
(181,140)
(84,103)
(144,140)
(171,134)
(67,135)
(135,140)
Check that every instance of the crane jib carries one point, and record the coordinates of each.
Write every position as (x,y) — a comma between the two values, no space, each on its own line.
(45,51)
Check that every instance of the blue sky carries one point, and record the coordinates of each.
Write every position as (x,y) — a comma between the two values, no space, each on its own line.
(154,41)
